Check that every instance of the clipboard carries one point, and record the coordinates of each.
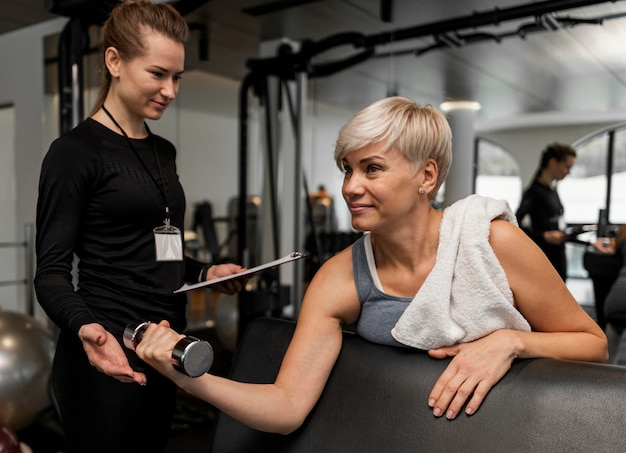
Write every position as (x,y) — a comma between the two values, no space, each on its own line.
(572,233)
(293,256)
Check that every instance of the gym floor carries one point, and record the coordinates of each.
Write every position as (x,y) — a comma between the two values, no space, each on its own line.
(192,430)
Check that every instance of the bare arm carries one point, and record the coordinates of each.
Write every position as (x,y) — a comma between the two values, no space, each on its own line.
(281,407)
(560,328)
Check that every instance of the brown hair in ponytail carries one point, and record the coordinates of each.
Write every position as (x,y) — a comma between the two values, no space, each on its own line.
(125,30)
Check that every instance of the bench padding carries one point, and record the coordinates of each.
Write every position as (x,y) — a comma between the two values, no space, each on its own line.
(376,401)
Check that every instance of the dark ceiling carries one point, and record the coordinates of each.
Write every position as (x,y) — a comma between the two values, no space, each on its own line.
(513,57)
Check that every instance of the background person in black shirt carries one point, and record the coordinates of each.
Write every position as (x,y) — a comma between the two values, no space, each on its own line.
(540,212)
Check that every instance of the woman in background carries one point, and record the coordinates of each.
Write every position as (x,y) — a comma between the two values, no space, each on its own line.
(541,203)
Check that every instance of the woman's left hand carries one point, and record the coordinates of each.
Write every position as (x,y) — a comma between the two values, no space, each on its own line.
(106,355)
(232,286)
(476,367)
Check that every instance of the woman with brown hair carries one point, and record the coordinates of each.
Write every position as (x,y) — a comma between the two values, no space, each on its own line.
(540,212)
(110,195)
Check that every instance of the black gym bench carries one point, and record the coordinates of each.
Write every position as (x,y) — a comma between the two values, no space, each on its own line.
(376,401)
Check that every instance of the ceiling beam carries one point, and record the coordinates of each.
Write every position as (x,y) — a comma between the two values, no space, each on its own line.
(288,64)
(478,19)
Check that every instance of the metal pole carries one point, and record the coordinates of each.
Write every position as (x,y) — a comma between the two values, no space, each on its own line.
(243,254)
(298,269)
(29,260)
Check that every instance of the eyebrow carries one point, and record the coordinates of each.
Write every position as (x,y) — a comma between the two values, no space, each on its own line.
(367,159)
(162,69)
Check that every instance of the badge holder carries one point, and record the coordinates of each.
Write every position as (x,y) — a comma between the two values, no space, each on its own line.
(168,242)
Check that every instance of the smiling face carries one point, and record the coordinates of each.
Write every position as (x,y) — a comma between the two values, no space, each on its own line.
(146,84)
(421,134)
(381,188)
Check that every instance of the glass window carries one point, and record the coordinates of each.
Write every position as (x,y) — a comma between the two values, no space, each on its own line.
(583,191)
(583,194)
(498,174)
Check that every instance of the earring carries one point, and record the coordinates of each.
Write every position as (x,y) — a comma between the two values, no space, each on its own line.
(422,191)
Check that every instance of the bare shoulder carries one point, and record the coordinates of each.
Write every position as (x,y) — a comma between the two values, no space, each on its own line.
(510,241)
(502,230)
(332,289)
(535,284)
(522,260)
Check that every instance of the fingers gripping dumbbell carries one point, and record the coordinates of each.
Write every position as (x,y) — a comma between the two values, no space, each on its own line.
(191,355)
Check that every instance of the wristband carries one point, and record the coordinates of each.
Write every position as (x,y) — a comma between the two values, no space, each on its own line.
(204,272)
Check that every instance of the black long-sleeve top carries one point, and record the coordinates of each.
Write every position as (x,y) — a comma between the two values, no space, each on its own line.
(543,206)
(99,201)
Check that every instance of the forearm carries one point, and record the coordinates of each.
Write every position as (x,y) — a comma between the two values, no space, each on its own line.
(580,346)
(478,365)
(61,303)
(264,407)
(66,177)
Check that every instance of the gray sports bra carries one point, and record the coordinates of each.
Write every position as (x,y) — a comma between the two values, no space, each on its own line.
(379,311)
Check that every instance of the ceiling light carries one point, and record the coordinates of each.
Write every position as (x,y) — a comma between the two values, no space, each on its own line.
(459,105)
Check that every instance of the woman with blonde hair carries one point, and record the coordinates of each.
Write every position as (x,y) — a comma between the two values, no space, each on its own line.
(465,283)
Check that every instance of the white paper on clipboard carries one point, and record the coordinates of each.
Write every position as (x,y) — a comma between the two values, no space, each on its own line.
(285,259)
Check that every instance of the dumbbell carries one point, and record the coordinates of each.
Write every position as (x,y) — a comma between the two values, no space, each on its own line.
(191,355)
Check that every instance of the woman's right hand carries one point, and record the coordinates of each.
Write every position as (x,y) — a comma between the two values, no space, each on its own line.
(106,355)
(156,348)
(555,237)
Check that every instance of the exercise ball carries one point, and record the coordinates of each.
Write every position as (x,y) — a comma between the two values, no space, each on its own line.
(9,442)
(26,352)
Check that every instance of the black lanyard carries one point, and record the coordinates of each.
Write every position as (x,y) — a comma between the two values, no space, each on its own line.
(163,184)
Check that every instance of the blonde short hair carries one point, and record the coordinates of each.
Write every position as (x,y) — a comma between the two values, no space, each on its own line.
(417,132)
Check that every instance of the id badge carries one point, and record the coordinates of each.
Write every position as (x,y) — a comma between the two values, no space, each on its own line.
(169,243)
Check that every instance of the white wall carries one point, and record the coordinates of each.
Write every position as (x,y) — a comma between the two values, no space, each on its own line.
(9,293)
(22,84)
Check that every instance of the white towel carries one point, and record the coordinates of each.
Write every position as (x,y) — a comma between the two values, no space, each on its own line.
(466,296)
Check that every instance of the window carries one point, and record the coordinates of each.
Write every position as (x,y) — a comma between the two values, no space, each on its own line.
(497,174)
(583,192)
(598,179)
